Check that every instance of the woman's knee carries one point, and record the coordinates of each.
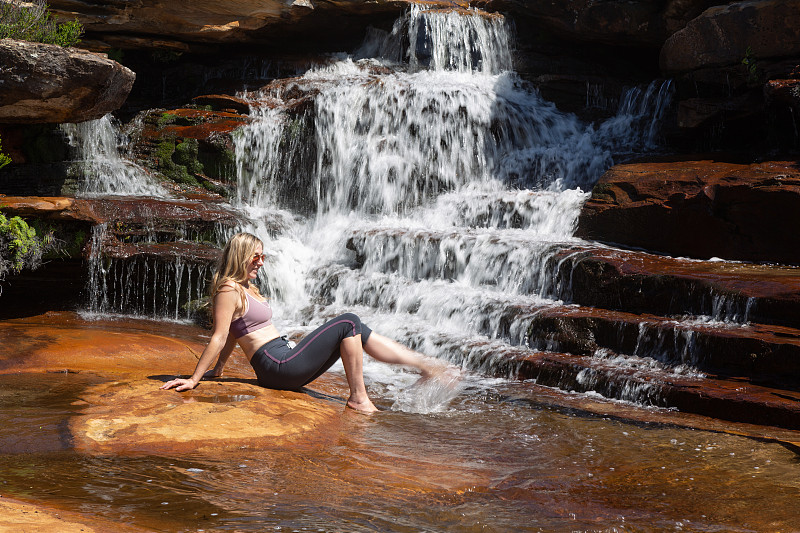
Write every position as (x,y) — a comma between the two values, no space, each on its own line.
(353,320)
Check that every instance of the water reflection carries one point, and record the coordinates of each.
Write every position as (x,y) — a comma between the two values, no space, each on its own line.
(498,458)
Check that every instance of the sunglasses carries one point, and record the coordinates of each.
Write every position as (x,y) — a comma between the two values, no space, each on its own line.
(256,257)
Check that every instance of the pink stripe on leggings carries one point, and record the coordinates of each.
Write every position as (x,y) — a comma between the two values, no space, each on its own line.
(312,340)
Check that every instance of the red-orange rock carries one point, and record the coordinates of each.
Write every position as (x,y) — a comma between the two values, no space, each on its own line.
(136,416)
(23,516)
(699,209)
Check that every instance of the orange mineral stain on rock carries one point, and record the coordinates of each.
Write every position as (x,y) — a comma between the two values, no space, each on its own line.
(20,516)
(78,348)
(137,417)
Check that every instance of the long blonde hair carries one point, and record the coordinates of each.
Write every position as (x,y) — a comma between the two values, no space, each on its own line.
(232,265)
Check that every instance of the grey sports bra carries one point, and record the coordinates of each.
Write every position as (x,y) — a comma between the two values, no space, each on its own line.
(258,315)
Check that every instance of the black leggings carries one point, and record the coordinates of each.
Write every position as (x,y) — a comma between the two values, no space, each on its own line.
(279,367)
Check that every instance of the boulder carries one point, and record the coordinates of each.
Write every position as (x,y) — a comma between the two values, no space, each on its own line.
(699,208)
(726,35)
(45,83)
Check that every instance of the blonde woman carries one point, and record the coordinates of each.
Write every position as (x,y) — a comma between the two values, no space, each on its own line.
(242,315)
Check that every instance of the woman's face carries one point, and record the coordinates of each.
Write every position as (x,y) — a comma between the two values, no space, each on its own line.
(256,262)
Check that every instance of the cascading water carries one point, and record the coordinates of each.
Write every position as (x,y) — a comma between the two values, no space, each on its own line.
(145,284)
(442,185)
(106,171)
(420,183)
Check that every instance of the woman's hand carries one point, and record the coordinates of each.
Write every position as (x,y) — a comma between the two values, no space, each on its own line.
(180,384)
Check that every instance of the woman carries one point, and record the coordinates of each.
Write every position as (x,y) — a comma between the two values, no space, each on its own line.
(241,315)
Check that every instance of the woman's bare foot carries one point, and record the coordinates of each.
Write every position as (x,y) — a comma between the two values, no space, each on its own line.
(435,368)
(363,406)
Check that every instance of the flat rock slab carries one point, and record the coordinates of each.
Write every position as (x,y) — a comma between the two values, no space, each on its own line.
(137,417)
(700,209)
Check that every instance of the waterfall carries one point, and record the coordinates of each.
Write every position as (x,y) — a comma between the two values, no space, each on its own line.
(419,182)
(106,172)
(433,190)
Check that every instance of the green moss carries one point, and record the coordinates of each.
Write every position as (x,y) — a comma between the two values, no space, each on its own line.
(169,157)
(4,159)
(603,191)
(166,119)
(186,155)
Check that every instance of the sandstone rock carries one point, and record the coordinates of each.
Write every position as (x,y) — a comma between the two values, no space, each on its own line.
(639,282)
(23,516)
(721,36)
(786,92)
(43,83)
(622,23)
(699,209)
(695,112)
(136,416)
(207,21)
(61,342)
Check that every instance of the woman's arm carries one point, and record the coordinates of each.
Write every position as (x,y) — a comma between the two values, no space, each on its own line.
(216,372)
(225,303)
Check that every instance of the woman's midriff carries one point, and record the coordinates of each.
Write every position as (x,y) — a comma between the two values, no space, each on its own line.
(256,339)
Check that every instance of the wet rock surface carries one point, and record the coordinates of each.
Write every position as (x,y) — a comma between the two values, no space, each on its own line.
(699,209)
(16,515)
(136,417)
(45,83)
(640,282)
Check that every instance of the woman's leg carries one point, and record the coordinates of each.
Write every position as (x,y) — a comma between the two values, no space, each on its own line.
(353,361)
(388,351)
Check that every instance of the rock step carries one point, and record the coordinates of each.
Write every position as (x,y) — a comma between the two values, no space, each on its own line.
(640,282)
(543,212)
(699,208)
(589,275)
(641,382)
(764,352)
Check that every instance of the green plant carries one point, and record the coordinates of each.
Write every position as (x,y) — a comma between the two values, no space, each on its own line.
(4,159)
(19,246)
(750,65)
(31,21)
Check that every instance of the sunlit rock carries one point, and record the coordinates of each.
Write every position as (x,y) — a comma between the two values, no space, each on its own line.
(45,83)
(699,209)
(136,416)
(23,516)
(61,342)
